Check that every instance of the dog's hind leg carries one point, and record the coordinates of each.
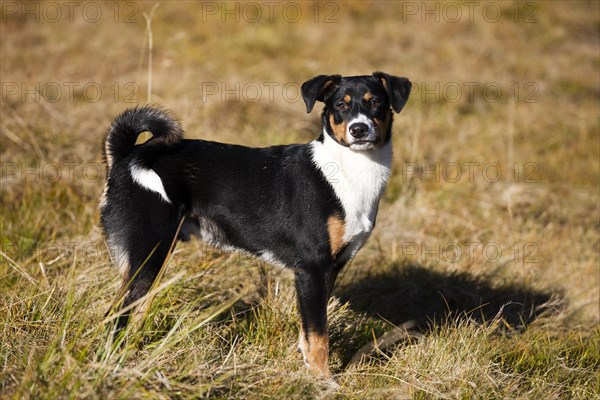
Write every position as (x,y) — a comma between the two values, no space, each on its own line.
(146,248)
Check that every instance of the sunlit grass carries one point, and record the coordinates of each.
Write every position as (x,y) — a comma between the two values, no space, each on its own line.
(410,317)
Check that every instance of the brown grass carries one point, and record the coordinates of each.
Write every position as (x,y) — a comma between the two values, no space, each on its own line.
(484,286)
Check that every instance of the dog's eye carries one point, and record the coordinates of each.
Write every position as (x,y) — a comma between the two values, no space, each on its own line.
(375,103)
(342,106)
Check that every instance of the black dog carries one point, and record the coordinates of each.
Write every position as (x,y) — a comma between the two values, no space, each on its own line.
(309,207)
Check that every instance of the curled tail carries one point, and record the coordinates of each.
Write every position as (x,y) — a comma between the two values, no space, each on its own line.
(123,132)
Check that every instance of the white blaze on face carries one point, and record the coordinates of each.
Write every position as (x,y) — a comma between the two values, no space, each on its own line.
(370,137)
(148,179)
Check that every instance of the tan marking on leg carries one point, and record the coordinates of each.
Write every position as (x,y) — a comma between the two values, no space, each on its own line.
(368,96)
(316,353)
(336,230)
(339,130)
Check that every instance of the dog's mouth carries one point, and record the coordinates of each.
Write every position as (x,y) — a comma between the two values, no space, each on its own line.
(363,144)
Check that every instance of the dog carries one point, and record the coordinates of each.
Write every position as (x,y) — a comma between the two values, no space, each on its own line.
(309,207)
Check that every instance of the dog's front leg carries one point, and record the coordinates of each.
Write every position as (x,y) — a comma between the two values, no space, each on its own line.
(312,292)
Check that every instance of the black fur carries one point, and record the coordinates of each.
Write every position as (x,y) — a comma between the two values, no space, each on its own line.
(262,199)
(270,202)
(317,88)
(125,129)
(398,88)
(331,89)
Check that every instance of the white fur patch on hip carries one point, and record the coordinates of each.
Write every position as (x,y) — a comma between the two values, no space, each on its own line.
(148,179)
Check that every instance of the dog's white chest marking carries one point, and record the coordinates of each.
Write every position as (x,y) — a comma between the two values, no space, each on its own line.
(358,179)
(148,179)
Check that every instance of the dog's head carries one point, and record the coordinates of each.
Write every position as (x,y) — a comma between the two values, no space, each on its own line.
(358,109)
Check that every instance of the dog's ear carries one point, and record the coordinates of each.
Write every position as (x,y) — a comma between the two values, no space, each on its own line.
(398,89)
(316,89)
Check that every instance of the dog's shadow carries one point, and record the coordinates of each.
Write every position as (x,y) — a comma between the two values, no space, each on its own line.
(428,297)
(425,299)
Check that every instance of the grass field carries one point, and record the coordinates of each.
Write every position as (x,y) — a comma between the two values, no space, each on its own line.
(481,279)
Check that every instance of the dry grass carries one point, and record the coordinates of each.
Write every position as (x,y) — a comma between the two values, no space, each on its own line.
(496,280)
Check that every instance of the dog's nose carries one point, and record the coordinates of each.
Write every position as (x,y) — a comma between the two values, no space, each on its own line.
(359,130)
